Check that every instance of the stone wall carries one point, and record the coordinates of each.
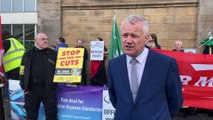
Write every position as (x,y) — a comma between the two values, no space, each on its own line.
(169,19)
(49,16)
(188,20)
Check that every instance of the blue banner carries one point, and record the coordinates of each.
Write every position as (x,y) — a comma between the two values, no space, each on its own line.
(80,103)
(74,103)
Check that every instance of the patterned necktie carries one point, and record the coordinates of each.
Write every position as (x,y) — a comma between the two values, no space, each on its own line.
(134,78)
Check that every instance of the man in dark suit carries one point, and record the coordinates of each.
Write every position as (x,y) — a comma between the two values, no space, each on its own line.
(143,84)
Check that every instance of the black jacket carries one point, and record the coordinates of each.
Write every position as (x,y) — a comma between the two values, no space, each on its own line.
(50,60)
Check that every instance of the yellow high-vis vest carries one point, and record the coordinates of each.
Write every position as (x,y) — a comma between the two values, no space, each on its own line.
(12,58)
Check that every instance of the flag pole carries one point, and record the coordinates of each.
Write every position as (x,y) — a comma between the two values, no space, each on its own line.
(2,113)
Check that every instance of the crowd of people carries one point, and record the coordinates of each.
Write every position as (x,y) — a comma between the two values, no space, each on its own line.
(35,69)
(137,83)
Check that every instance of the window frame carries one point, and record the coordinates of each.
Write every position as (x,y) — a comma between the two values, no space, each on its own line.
(23,7)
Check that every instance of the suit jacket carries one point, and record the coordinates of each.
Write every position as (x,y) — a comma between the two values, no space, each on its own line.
(159,95)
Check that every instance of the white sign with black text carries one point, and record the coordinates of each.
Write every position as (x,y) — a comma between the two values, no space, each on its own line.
(97,50)
(108,110)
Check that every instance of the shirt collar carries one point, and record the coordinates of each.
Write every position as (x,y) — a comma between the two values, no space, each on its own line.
(141,57)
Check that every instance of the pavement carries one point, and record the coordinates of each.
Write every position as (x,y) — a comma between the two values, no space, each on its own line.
(194,114)
(199,116)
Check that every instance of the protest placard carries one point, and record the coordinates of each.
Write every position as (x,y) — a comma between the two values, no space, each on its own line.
(69,65)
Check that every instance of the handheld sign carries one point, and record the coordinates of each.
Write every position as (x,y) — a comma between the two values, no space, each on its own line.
(69,65)
(97,50)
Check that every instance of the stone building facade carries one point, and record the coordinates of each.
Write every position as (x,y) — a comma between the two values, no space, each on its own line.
(187,20)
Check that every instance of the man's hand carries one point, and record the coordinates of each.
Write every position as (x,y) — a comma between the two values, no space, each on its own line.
(1,55)
(26,92)
(1,85)
(1,80)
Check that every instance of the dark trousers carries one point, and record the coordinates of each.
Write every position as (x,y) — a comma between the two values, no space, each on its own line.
(84,75)
(33,100)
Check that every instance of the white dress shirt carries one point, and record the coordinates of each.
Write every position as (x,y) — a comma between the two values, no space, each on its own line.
(139,66)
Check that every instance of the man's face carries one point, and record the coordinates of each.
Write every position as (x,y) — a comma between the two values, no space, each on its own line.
(79,42)
(57,42)
(178,45)
(42,41)
(133,38)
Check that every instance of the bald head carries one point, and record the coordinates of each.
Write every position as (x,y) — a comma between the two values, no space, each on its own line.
(178,42)
(41,41)
(178,45)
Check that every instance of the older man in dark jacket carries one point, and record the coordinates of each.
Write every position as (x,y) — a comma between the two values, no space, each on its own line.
(36,75)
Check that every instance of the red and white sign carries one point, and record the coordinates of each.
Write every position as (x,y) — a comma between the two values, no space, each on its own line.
(196,73)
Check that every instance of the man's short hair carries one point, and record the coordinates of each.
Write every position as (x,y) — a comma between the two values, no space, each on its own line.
(100,39)
(61,39)
(132,19)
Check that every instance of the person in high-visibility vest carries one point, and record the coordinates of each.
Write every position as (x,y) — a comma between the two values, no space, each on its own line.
(13,52)
(12,56)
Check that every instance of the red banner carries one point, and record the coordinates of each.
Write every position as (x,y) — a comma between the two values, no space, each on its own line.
(1,50)
(196,72)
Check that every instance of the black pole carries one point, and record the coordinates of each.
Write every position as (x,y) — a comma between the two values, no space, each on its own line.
(2,115)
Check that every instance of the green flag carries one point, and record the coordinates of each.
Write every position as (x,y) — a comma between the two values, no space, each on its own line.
(115,45)
(207,41)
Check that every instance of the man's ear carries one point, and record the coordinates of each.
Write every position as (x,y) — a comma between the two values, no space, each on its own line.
(148,37)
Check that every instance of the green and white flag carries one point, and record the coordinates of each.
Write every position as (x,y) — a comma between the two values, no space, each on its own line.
(115,45)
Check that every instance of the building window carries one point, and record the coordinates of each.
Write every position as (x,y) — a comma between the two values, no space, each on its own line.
(29,36)
(5,6)
(18,31)
(15,6)
(30,5)
(25,33)
(6,27)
